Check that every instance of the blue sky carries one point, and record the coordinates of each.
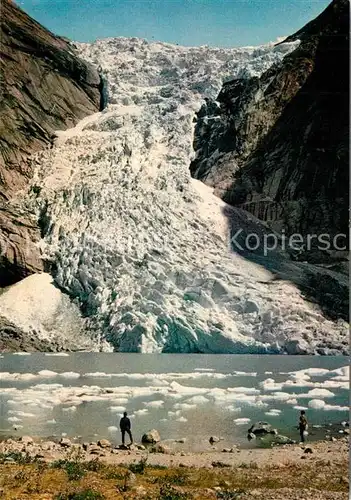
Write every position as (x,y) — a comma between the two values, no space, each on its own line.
(224,23)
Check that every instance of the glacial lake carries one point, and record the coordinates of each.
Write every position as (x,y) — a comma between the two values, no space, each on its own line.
(82,395)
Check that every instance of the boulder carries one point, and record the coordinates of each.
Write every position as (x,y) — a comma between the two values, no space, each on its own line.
(48,445)
(129,480)
(140,491)
(181,440)
(161,448)
(261,428)
(27,440)
(97,451)
(279,439)
(104,443)
(122,447)
(151,437)
(220,464)
(214,439)
(65,442)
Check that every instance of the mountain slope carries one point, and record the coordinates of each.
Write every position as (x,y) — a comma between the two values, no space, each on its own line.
(278,145)
(44,87)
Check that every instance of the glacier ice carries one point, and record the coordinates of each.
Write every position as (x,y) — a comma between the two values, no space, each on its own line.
(139,245)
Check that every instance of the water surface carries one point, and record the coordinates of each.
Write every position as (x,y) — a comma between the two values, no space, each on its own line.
(183,396)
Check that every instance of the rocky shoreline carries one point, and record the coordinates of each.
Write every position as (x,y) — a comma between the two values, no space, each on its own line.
(161,452)
(62,469)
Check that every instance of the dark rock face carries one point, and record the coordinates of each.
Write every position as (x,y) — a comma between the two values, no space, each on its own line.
(19,256)
(277,146)
(45,87)
(13,339)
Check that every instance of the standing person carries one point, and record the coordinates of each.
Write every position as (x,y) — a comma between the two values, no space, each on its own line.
(125,426)
(303,425)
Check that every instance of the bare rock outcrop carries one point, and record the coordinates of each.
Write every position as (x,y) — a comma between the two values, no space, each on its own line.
(277,146)
(45,87)
(19,233)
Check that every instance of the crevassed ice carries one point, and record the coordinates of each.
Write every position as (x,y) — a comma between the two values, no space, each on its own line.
(142,246)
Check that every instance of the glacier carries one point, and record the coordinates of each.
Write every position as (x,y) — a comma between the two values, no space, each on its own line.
(138,244)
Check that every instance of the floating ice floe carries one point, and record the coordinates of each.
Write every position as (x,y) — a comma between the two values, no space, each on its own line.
(204,369)
(241,421)
(21,377)
(70,409)
(117,409)
(181,419)
(69,375)
(14,419)
(327,407)
(47,373)
(112,428)
(23,414)
(154,404)
(316,393)
(273,413)
(185,406)
(141,412)
(316,404)
(197,400)
(57,354)
(313,372)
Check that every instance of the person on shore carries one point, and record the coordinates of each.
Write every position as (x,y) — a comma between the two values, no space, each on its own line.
(303,426)
(125,426)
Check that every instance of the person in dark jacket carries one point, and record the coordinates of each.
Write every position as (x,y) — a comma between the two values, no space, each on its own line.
(303,425)
(125,426)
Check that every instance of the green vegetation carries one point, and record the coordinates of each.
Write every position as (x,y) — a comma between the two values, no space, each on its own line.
(74,479)
(82,495)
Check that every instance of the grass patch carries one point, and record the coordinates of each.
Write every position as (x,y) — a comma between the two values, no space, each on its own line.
(81,495)
(139,467)
(168,492)
(74,479)
(17,457)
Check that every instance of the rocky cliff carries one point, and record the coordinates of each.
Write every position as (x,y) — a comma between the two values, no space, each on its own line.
(277,145)
(45,87)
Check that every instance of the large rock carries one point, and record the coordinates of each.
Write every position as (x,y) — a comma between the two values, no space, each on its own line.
(279,439)
(44,87)
(104,443)
(151,437)
(161,448)
(65,442)
(261,428)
